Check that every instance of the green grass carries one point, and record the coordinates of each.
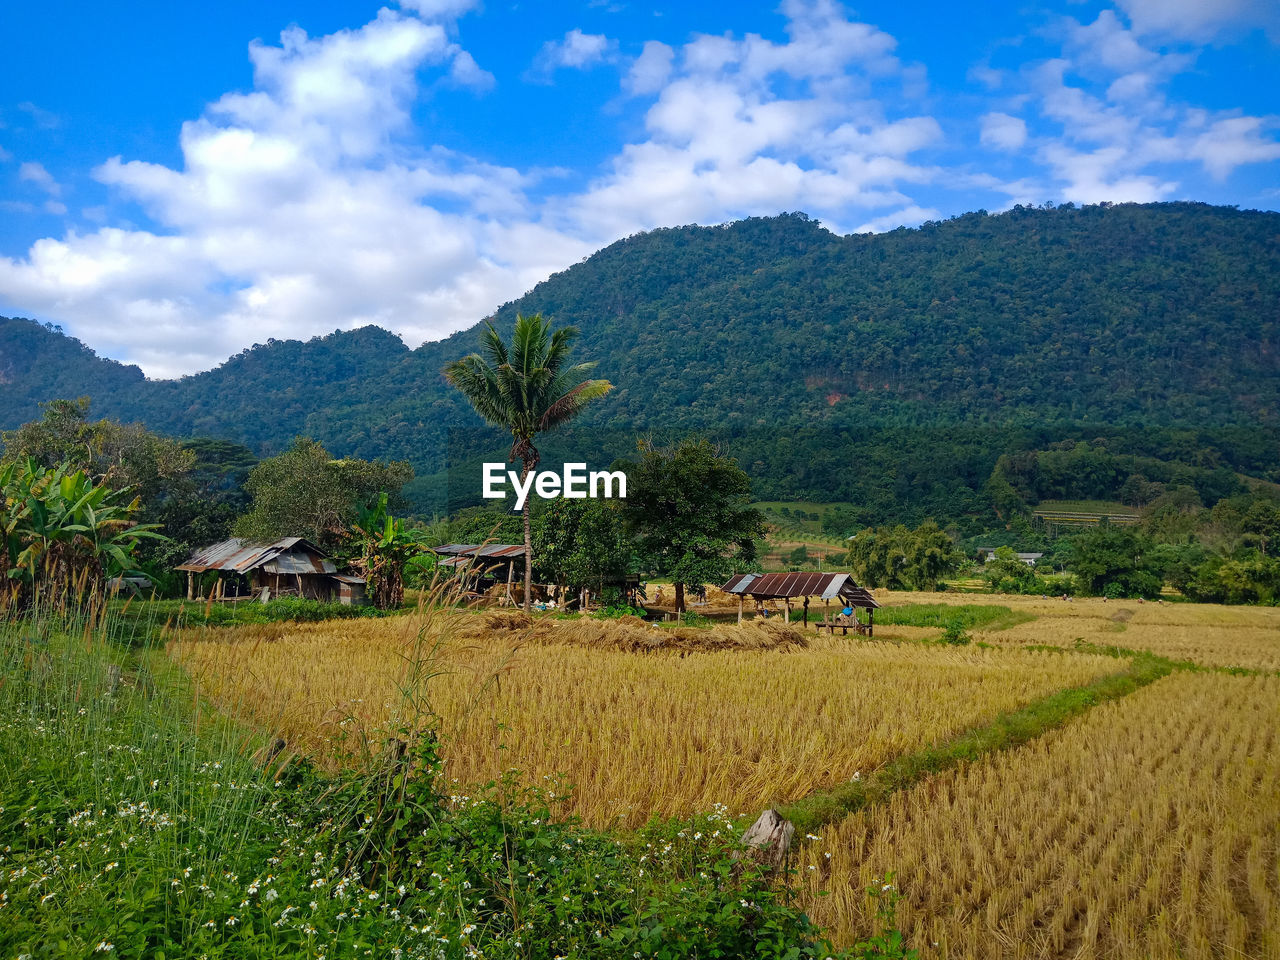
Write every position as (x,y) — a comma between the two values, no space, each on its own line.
(969,616)
(136,825)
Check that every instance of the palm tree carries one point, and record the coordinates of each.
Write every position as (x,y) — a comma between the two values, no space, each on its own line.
(527,388)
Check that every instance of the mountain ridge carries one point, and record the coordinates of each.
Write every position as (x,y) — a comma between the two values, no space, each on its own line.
(1124,317)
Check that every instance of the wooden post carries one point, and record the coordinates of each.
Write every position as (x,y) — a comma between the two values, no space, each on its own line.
(191,585)
(739,608)
(806,611)
(786,612)
(871,621)
(511,566)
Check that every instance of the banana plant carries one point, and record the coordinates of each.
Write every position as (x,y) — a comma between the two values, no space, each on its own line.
(63,533)
(386,547)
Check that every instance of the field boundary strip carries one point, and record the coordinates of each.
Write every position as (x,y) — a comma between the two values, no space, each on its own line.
(1008,730)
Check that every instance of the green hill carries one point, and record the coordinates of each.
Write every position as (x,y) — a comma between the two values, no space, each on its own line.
(887,371)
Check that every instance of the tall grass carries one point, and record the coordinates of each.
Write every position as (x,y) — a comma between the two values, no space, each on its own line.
(135,822)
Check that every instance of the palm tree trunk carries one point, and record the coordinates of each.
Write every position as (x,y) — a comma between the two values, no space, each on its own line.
(528,544)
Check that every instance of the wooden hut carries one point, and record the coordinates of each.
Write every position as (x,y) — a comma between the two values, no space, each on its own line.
(789,587)
(292,566)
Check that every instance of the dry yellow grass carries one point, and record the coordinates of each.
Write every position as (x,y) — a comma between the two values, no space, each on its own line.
(627,633)
(1204,633)
(1149,828)
(636,733)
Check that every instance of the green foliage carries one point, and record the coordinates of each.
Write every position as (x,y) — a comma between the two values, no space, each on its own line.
(885,372)
(689,509)
(1249,578)
(954,635)
(384,550)
(904,559)
(130,830)
(479,524)
(1113,561)
(581,543)
(63,535)
(969,616)
(304,492)
(526,388)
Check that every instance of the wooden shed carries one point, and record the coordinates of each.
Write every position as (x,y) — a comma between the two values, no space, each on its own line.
(292,566)
(788,587)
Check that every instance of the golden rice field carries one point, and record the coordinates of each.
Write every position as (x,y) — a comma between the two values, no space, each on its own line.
(637,734)
(1204,633)
(1147,828)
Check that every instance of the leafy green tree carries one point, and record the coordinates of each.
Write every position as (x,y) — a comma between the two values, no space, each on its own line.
(690,510)
(1250,577)
(527,387)
(64,536)
(904,559)
(1113,561)
(119,455)
(1007,573)
(304,492)
(799,556)
(581,543)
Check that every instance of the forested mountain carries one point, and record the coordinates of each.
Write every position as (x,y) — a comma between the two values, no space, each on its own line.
(888,371)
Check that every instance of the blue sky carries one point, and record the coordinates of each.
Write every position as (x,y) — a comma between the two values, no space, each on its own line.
(181,181)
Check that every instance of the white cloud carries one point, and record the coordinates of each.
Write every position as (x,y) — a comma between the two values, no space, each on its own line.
(748,126)
(36,174)
(1201,20)
(1231,142)
(577,51)
(299,207)
(1119,136)
(311,201)
(465,72)
(441,11)
(1002,131)
(42,118)
(906,217)
(650,70)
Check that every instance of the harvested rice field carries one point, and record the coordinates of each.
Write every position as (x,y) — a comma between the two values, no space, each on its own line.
(1202,633)
(637,730)
(1149,827)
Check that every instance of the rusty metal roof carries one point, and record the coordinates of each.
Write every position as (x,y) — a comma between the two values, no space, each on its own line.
(482,550)
(780,585)
(236,555)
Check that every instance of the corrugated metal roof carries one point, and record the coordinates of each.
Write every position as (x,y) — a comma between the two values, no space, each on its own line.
(299,562)
(236,555)
(484,550)
(827,586)
(347,578)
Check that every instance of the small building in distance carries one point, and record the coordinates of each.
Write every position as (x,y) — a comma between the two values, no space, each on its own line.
(989,553)
(291,567)
(802,586)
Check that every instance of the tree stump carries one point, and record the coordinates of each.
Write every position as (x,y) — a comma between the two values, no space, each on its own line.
(769,840)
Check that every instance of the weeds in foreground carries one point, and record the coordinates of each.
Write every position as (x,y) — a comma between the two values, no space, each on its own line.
(135,825)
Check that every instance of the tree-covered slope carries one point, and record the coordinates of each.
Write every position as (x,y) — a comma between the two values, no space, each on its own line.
(918,355)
